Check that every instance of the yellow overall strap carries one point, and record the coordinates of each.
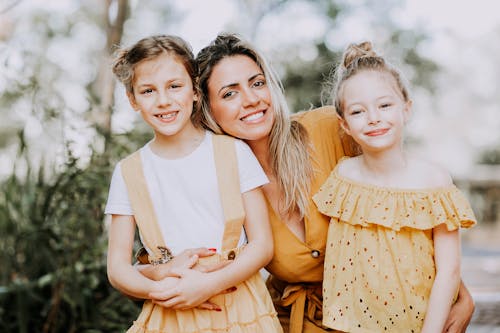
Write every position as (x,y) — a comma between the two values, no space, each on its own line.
(141,203)
(226,165)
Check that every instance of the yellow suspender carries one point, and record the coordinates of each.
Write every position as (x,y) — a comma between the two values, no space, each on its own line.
(226,165)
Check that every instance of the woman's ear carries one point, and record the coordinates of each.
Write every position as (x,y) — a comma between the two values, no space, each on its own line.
(131,100)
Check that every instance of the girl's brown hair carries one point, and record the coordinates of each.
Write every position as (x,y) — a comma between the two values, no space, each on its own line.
(126,60)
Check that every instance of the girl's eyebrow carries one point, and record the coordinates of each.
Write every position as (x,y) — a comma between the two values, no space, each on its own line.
(232,85)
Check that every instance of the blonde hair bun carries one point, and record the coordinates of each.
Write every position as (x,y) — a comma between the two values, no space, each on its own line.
(355,52)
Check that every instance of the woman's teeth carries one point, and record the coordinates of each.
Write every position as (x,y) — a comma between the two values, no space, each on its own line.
(254,116)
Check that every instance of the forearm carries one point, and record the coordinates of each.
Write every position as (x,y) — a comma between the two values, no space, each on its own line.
(251,259)
(443,292)
(153,272)
(129,281)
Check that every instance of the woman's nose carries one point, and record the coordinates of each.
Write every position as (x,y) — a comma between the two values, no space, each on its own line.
(249,98)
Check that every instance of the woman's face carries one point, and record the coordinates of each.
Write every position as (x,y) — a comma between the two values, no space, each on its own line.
(240,100)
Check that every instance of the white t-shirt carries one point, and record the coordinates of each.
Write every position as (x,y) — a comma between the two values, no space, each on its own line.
(185,194)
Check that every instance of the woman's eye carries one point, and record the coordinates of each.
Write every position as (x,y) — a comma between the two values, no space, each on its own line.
(228,94)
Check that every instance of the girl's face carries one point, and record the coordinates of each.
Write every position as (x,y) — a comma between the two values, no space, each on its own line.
(163,94)
(240,100)
(374,110)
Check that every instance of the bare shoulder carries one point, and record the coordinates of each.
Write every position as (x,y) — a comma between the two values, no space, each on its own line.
(349,168)
(429,173)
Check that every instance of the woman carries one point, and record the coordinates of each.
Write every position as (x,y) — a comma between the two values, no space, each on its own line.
(241,96)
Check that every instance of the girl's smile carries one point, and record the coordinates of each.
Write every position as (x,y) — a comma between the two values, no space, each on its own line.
(163,94)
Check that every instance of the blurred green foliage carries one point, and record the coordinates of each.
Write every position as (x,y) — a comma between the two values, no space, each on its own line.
(53,249)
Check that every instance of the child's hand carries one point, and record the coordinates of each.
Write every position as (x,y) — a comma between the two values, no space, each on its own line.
(169,283)
(192,290)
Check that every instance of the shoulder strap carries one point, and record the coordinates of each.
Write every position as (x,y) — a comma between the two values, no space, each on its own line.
(141,203)
(226,165)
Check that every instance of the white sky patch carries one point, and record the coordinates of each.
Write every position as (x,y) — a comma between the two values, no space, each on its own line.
(204,19)
(465,18)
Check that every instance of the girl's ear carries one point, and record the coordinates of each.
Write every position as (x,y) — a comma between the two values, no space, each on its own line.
(131,100)
(343,124)
(408,111)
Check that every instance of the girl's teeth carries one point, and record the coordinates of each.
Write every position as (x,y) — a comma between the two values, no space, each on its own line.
(254,116)
(167,116)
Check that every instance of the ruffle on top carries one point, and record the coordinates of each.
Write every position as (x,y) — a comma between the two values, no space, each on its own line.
(364,204)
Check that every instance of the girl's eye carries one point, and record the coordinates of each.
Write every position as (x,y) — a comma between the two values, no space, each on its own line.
(355,112)
(259,83)
(385,105)
(175,86)
(146,91)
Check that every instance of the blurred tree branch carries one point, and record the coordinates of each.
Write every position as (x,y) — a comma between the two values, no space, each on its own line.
(103,88)
(10,6)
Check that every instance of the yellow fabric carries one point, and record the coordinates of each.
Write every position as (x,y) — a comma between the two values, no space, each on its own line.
(249,309)
(234,213)
(143,209)
(379,266)
(292,262)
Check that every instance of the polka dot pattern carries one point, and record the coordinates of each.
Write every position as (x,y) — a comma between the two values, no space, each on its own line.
(379,261)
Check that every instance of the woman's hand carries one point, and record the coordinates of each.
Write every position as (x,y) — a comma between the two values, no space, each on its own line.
(461,312)
(186,259)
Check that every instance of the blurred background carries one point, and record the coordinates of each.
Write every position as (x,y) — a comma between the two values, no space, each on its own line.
(65,123)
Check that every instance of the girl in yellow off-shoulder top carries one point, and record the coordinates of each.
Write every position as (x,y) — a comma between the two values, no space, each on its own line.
(393,253)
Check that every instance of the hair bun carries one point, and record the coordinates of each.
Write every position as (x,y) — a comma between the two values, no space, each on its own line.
(354,52)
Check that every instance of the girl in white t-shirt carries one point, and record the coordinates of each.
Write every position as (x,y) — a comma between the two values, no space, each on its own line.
(172,189)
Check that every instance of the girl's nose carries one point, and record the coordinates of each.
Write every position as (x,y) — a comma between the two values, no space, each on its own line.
(373,116)
(164,99)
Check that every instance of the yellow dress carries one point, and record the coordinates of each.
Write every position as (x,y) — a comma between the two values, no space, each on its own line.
(249,309)
(297,267)
(379,265)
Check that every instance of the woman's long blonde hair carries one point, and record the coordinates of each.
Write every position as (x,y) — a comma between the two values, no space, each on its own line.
(288,144)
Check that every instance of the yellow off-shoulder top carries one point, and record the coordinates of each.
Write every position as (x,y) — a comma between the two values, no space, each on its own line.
(379,261)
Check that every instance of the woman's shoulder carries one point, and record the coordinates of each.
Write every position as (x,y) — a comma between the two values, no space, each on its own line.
(317,116)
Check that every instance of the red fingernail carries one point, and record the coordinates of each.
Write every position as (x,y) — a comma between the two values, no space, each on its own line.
(213,249)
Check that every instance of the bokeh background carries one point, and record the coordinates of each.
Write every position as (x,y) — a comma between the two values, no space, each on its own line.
(65,123)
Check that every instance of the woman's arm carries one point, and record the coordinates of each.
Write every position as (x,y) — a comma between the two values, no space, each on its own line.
(461,312)
(256,254)
(447,281)
(186,259)
(121,274)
